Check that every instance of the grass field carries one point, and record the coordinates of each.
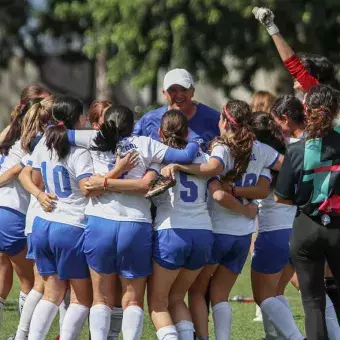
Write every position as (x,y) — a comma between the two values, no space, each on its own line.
(243,313)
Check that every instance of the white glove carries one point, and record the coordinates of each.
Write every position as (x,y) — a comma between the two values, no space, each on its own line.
(266,18)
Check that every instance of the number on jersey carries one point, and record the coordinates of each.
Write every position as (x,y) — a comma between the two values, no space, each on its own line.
(61,180)
(191,194)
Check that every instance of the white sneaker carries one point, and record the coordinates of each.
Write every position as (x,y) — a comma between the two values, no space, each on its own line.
(258,317)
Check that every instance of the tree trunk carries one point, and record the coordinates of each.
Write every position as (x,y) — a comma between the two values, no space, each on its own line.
(102,86)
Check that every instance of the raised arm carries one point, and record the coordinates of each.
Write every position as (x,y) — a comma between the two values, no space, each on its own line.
(290,60)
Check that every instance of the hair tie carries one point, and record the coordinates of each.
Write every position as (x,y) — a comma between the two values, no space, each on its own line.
(60,124)
(229,116)
(22,106)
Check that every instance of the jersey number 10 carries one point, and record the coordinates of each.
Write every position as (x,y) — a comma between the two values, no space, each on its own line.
(61,179)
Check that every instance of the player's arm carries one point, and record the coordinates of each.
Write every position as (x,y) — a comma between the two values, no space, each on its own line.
(10,175)
(131,186)
(285,186)
(227,201)
(290,60)
(258,191)
(211,169)
(124,164)
(32,181)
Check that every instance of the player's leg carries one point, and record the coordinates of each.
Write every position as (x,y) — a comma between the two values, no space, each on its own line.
(6,280)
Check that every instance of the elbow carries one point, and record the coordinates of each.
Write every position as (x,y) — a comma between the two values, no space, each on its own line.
(144,187)
(263,193)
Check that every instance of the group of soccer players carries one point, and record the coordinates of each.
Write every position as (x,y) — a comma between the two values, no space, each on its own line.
(84,241)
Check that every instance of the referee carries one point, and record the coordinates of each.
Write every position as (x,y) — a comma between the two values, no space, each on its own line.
(310,179)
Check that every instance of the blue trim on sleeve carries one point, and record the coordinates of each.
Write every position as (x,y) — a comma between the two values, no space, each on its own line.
(266,177)
(212,179)
(22,164)
(71,135)
(83,176)
(275,160)
(185,156)
(30,163)
(151,169)
(35,168)
(220,159)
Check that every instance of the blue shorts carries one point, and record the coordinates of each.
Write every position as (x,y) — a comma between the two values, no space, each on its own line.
(58,250)
(12,231)
(124,248)
(231,251)
(30,254)
(271,252)
(187,248)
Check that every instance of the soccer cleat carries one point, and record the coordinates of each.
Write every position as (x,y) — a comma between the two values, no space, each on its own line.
(159,186)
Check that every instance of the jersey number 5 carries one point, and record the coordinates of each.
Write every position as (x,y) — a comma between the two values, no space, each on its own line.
(61,179)
(190,195)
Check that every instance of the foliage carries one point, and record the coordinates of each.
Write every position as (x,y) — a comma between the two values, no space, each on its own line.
(210,38)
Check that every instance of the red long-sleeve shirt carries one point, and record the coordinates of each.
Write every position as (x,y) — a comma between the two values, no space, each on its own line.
(299,72)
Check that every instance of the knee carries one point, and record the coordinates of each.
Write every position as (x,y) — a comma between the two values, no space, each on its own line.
(175,299)
(157,303)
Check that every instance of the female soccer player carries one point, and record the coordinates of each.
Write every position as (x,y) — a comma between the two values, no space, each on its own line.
(271,253)
(57,236)
(14,202)
(182,239)
(124,219)
(240,158)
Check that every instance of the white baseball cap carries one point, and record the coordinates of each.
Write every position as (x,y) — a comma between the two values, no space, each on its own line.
(178,76)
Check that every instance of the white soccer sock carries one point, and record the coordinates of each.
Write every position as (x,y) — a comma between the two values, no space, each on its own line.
(333,328)
(31,302)
(222,316)
(167,333)
(100,316)
(42,319)
(283,299)
(74,321)
(2,307)
(63,309)
(21,302)
(281,317)
(185,330)
(132,325)
(116,323)
(269,329)
(62,313)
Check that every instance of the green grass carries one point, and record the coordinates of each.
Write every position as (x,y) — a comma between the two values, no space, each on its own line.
(243,313)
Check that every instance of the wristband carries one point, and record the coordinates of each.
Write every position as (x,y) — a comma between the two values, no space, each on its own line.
(272,29)
(105,183)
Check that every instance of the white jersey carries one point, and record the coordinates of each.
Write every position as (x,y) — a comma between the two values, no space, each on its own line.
(184,206)
(275,216)
(226,221)
(13,195)
(61,178)
(120,206)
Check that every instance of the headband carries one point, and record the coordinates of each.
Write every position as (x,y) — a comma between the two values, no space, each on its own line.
(229,116)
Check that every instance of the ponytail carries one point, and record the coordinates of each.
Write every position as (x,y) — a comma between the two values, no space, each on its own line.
(35,121)
(174,129)
(57,140)
(239,137)
(14,132)
(107,137)
(66,111)
(118,123)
